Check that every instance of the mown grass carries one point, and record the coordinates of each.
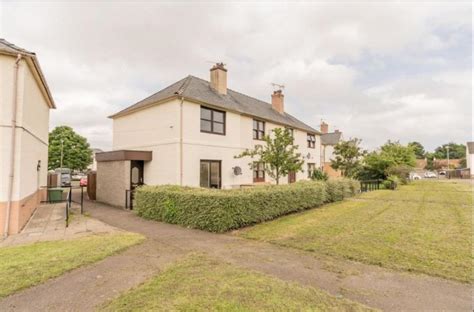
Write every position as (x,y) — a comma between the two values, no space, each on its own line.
(28,265)
(423,227)
(198,283)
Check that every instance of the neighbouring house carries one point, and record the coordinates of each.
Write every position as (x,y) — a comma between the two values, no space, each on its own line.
(470,157)
(189,134)
(93,165)
(328,141)
(25,101)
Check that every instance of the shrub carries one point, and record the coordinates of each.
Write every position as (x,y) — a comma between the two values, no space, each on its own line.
(319,175)
(391,183)
(223,210)
(401,171)
(338,189)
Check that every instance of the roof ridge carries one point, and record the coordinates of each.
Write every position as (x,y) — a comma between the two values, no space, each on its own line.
(246,95)
(254,98)
(185,84)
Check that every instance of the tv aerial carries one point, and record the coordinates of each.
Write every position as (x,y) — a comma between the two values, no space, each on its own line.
(278,86)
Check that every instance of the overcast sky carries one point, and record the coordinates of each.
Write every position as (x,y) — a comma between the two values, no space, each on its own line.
(399,71)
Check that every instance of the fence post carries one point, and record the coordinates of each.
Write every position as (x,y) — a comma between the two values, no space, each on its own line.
(82,199)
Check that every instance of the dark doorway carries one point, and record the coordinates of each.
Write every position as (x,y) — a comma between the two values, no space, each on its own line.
(291,177)
(210,173)
(136,177)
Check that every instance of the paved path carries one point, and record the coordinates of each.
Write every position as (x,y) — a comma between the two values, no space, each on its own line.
(89,286)
(48,223)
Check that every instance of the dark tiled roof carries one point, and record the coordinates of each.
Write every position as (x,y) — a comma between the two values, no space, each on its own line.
(331,138)
(470,147)
(194,88)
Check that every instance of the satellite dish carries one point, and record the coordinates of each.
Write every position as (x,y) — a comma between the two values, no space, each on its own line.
(237,170)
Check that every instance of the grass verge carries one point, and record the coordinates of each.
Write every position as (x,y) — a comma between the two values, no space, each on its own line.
(198,283)
(28,265)
(424,227)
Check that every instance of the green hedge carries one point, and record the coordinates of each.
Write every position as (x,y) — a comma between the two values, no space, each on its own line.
(223,210)
(338,189)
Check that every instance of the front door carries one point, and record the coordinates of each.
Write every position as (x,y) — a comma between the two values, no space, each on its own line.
(291,177)
(136,177)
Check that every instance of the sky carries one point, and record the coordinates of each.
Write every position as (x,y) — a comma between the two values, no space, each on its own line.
(376,71)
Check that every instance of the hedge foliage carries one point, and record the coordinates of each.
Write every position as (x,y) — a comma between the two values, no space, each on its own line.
(223,210)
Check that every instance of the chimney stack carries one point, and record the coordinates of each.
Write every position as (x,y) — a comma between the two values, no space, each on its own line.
(278,101)
(219,78)
(324,127)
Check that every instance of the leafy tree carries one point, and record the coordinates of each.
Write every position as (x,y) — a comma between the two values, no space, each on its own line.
(376,164)
(279,154)
(418,149)
(347,157)
(77,154)
(456,151)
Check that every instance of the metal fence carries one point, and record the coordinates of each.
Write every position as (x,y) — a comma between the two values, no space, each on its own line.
(370,185)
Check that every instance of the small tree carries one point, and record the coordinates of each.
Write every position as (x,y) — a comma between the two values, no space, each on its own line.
(278,155)
(77,154)
(347,157)
(456,151)
(390,154)
(418,149)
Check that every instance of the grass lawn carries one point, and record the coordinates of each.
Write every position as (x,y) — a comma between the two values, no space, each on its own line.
(422,227)
(198,283)
(28,265)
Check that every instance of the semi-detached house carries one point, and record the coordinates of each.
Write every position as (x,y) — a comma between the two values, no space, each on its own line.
(189,134)
(25,102)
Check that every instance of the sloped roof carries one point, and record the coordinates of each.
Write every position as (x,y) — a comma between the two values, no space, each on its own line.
(470,147)
(13,50)
(198,89)
(331,138)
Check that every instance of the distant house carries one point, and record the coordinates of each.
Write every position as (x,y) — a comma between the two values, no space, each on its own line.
(328,141)
(24,117)
(470,157)
(93,166)
(188,134)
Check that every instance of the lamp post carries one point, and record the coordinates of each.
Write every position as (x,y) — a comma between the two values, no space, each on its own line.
(447,147)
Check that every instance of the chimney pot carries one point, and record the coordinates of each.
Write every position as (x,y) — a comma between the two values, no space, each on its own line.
(324,127)
(219,78)
(278,101)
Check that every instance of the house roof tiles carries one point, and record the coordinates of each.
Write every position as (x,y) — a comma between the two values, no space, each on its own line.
(198,89)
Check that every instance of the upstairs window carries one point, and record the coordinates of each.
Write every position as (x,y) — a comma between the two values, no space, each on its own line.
(311,140)
(291,131)
(258,129)
(212,121)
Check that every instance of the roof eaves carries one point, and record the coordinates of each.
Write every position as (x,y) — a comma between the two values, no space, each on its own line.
(130,110)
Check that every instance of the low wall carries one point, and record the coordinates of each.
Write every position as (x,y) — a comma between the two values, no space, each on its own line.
(20,211)
(330,171)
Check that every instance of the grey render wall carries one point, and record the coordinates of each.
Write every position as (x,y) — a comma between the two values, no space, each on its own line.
(113,179)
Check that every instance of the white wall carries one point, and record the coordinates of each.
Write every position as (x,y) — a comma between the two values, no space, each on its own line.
(153,129)
(157,129)
(31,131)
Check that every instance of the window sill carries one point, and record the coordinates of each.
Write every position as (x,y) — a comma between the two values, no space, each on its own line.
(209,132)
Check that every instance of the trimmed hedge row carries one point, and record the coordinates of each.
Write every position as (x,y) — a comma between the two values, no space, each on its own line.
(223,210)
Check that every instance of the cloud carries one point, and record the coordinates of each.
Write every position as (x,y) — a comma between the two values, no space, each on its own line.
(376,71)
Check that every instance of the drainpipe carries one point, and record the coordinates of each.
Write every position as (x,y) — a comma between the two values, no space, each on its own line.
(181,142)
(13,147)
